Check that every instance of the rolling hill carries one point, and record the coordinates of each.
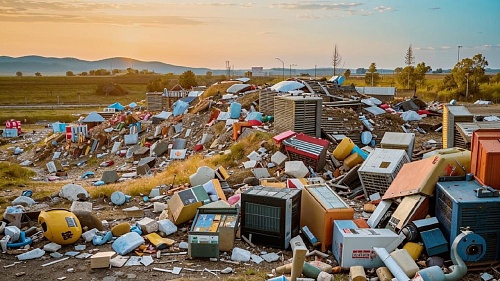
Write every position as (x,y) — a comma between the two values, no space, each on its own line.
(29,65)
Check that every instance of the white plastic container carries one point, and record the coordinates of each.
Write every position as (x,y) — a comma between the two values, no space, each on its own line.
(405,262)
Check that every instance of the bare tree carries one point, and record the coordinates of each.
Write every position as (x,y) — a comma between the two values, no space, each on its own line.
(409,60)
(409,57)
(336,59)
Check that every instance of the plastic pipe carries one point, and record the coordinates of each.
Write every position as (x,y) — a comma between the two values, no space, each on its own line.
(391,264)
(458,269)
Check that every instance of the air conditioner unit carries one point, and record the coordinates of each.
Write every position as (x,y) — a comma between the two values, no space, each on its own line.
(300,114)
(271,216)
(469,204)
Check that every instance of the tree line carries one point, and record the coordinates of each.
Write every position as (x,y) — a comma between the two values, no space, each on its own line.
(466,81)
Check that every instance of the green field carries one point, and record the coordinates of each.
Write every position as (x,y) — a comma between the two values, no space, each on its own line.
(53,90)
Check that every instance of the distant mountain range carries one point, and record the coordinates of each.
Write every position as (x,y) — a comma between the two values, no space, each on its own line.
(29,65)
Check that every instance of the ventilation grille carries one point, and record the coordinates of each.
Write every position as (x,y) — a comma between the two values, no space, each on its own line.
(261,217)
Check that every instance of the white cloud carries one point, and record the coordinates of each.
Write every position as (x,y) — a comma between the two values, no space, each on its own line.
(382,9)
(317,5)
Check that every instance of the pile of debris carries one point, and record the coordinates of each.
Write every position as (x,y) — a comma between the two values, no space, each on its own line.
(343,194)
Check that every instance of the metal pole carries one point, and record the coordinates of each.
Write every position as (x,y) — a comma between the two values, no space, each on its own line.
(459,46)
(283,67)
(467,90)
(314,72)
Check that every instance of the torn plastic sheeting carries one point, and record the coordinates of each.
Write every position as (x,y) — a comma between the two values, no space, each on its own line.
(180,107)
(254,116)
(411,116)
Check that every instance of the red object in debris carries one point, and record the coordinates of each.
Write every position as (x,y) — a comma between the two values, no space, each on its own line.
(283,136)
(423,111)
(147,144)
(254,122)
(107,163)
(384,106)
(198,147)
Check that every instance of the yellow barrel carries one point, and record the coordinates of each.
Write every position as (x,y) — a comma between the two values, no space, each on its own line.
(343,149)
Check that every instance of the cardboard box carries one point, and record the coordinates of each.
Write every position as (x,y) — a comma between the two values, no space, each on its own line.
(354,246)
(321,206)
(213,230)
(183,204)
(421,176)
(101,259)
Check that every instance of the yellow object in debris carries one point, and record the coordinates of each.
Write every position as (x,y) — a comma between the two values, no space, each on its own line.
(60,226)
(343,149)
(159,242)
(414,249)
(353,160)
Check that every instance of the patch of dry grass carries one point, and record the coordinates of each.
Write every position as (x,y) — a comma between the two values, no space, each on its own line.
(214,89)
(181,170)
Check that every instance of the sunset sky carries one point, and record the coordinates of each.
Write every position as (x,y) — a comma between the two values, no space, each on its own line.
(253,33)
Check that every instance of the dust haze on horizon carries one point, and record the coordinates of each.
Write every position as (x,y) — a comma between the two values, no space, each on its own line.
(209,33)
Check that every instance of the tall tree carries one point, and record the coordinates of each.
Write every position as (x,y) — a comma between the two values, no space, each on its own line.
(188,79)
(469,73)
(372,76)
(409,57)
(420,72)
(336,59)
(409,61)
(347,73)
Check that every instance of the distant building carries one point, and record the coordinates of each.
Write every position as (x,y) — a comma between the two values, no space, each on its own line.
(381,93)
(258,71)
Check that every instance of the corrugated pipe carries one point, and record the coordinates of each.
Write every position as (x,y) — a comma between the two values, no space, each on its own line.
(391,264)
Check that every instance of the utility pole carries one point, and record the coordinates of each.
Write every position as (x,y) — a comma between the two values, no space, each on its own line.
(283,67)
(314,72)
(458,47)
(467,89)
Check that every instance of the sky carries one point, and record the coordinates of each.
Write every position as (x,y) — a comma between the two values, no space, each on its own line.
(302,34)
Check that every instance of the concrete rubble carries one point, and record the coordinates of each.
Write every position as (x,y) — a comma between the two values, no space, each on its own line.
(353,200)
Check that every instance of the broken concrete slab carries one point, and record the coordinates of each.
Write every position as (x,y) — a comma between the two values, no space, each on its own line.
(150,161)
(131,139)
(203,175)
(73,192)
(159,148)
(296,169)
(110,176)
(260,173)
(278,158)
(143,170)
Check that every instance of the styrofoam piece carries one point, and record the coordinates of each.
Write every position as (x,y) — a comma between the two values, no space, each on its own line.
(127,243)
(33,254)
(239,254)
(379,213)
(167,227)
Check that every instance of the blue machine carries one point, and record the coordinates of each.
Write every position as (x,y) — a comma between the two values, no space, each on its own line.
(468,204)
